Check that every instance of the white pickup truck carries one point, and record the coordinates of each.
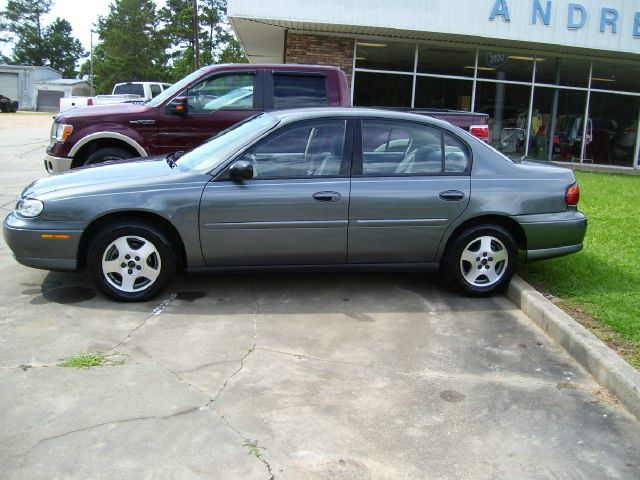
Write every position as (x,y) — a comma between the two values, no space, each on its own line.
(122,93)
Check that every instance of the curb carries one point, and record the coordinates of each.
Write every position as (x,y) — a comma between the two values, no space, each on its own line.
(611,371)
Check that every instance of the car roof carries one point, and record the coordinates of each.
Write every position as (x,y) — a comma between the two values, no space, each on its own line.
(298,114)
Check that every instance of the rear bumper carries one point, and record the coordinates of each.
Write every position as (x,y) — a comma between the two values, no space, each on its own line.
(32,250)
(554,234)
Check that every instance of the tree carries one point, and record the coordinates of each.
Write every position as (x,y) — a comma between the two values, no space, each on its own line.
(36,44)
(232,53)
(23,19)
(178,17)
(131,47)
(218,45)
(61,49)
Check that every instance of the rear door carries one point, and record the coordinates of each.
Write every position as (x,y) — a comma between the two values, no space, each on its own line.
(410,181)
(214,104)
(293,211)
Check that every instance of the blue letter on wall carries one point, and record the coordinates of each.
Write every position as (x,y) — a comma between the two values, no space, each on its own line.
(636,25)
(500,8)
(571,18)
(609,16)
(545,15)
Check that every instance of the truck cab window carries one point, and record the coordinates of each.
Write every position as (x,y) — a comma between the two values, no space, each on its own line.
(294,91)
(233,91)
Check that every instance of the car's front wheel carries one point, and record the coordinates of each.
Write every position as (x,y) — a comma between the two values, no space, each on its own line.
(131,262)
(481,260)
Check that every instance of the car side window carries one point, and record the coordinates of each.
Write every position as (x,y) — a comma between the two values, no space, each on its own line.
(234,91)
(456,155)
(155,90)
(400,148)
(294,91)
(311,149)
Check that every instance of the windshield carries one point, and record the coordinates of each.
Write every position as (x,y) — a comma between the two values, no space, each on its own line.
(220,147)
(175,88)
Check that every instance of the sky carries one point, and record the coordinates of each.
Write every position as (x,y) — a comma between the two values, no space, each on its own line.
(81,14)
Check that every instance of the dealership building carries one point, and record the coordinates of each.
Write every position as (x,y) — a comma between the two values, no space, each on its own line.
(538,68)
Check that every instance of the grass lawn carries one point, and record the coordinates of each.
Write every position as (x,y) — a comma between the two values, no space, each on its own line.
(600,285)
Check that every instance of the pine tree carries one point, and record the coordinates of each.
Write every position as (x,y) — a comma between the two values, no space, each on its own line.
(61,49)
(131,47)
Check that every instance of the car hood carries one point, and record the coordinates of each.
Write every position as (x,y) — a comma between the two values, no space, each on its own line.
(116,177)
(102,111)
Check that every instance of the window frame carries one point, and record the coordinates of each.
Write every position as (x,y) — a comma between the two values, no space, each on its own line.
(358,154)
(345,164)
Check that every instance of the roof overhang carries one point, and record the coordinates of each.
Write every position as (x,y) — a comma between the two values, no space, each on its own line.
(260,26)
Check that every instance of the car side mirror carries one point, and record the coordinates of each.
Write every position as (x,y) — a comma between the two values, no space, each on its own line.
(241,170)
(178,106)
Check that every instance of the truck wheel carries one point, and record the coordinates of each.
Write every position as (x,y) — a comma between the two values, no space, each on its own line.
(481,261)
(107,154)
(131,261)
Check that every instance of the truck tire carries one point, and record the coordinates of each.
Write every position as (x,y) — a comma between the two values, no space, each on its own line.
(107,154)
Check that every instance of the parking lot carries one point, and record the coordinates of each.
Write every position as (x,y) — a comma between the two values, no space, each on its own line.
(286,376)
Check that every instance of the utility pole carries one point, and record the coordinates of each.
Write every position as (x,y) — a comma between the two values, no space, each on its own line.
(91,63)
(196,33)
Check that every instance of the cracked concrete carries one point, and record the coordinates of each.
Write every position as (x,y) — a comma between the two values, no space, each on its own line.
(289,376)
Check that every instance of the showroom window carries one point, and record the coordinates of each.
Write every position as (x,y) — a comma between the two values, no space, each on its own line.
(499,65)
(536,101)
(446,61)
(382,90)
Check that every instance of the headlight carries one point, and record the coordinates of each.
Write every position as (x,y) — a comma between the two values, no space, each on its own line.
(29,207)
(61,131)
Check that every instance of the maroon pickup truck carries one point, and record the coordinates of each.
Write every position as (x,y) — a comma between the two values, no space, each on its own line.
(199,106)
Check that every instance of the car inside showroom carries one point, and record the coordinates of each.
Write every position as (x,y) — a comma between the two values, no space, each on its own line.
(537,68)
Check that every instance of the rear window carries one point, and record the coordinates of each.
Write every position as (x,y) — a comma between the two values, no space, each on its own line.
(294,91)
(129,89)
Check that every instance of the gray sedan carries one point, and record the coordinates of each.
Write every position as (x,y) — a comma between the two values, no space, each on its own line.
(317,189)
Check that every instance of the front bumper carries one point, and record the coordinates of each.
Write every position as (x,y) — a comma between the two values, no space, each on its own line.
(56,164)
(551,235)
(25,239)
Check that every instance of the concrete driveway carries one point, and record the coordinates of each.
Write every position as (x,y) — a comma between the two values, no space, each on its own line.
(286,376)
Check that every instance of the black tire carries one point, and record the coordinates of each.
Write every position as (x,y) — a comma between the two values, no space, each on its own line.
(481,260)
(107,154)
(145,275)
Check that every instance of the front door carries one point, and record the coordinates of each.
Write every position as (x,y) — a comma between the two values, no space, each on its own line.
(410,182)
(214,104)
(294,211)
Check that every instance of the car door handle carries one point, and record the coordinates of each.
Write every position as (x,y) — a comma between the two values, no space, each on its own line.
(327,196)
(451,195)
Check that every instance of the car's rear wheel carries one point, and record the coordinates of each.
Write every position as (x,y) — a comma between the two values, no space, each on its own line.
(481,261)
(131,262)
(107,154)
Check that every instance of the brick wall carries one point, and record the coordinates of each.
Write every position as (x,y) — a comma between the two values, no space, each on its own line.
(320,50)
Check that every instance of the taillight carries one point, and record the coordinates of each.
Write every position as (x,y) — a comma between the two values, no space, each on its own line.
(480,131)
(573,194)
(90,101)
